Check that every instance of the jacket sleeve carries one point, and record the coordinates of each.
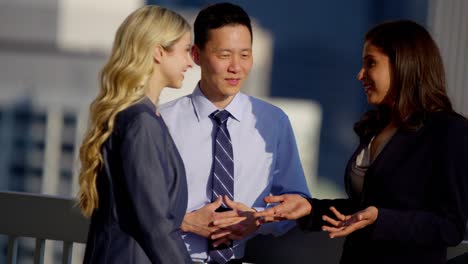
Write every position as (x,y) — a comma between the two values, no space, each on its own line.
(444,224)
(145,171)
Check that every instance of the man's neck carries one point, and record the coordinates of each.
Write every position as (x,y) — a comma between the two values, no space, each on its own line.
(218,100)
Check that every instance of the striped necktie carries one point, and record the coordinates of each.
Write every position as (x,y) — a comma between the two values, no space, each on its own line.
(222,174)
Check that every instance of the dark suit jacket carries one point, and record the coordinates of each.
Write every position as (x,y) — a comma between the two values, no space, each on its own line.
(142,194)
(419,183)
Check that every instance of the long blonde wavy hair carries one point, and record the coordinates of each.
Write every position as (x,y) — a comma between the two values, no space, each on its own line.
(123,81)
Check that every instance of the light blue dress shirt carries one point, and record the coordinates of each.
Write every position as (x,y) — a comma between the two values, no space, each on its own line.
(266,159)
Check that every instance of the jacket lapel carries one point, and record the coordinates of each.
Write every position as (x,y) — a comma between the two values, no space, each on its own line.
(392,155)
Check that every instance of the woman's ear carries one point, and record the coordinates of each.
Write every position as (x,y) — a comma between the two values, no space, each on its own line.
(158,53)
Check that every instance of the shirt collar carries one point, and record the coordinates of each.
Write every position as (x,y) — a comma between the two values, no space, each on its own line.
(204,107)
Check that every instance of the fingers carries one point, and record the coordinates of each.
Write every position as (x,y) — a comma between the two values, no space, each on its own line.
(338,215)
(239,210)
(226,222)
(220,233)
(274,199)
(231,232)
(217,203)
(230,202)
(273,219)
(331,221)
(235,236)
(344,231)
(270,219)
(237,205)
(273,212)
(285,210)
(291,206)
(224,240)
(331,229)
(270,212)
(227,240)
(227,214)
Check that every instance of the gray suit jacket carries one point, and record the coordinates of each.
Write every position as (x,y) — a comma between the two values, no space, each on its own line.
(142,193)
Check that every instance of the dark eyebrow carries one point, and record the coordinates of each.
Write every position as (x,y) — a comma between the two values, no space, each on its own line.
(229,50)
(223,50)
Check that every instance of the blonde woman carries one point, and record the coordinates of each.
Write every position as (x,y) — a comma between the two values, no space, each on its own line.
(132,179)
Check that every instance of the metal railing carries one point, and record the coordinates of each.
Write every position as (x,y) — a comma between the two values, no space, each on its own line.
(44,218)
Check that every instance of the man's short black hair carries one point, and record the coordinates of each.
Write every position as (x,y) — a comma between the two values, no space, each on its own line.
(216,16)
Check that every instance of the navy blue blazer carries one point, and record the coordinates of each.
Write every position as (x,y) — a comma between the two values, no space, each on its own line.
(142,194)
(419,183)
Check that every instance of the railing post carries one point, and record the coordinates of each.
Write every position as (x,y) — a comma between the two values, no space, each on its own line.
(53,144)
(39,251)
(12,250)
(67,252)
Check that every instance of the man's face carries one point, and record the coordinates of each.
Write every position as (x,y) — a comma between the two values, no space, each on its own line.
(225,62)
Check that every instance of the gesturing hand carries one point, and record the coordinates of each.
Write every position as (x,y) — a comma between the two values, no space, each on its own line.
(200,221)
(346,224)
(290,207)
(235,224)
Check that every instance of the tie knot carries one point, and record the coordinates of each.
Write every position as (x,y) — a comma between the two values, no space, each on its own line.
(220,116)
